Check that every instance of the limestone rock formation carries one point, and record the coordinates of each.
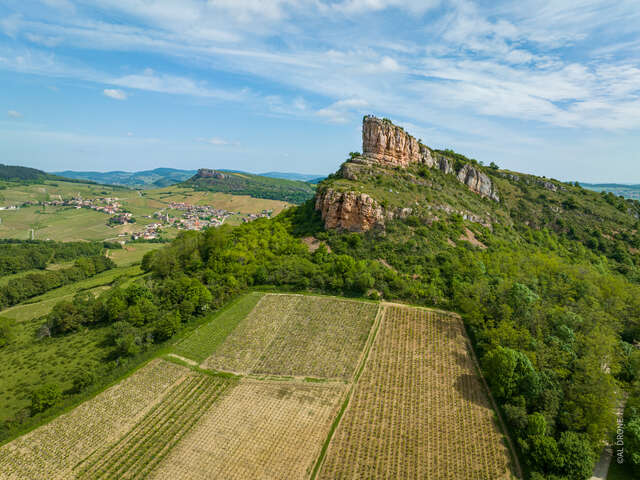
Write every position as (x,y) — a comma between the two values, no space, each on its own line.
(478,182)
(355,212)
(209,173)
(388,144)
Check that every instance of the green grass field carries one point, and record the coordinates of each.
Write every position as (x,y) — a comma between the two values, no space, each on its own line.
(132,253)
(203,341)
(30,362)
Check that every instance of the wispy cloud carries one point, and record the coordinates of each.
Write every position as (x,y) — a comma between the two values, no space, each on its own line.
(114,93)
(14,114)
(481,70)
(217,141)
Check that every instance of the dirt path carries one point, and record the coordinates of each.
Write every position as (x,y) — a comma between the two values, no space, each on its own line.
(601,469)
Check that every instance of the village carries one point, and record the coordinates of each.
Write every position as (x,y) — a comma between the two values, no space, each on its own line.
(185,216)
(195,217)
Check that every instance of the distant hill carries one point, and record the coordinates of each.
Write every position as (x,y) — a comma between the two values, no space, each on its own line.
(627,191)
(157,178)
(164,177)
(257,186)
(16,173)
(303,177)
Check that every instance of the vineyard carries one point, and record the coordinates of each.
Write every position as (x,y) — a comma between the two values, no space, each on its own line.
(375,392)
(54,449)
(152,438)
(419,409)
(258,430)
(298,336)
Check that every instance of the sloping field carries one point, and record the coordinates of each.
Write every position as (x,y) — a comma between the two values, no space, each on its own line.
(419,409)
(298,335)
(53,450)
(260,430)
(203,341)
(143,447)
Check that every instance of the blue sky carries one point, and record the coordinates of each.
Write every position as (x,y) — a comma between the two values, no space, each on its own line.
(551,88)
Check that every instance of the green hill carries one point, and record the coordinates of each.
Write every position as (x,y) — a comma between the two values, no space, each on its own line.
(257,186)
(627,191)
(156,178)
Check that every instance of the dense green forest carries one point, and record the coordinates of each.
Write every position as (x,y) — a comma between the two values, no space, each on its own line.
(256,186)
(21,255)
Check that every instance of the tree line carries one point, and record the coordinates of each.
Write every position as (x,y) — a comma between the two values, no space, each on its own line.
(21,255)
(34,284)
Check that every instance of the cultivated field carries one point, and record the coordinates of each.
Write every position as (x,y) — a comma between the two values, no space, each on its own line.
(296,335)
(203,341)
(54,450)
(419,409)
(260,430)
(394,393)
(143,447)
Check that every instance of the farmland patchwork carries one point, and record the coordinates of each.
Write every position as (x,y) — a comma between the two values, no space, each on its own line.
(322,388)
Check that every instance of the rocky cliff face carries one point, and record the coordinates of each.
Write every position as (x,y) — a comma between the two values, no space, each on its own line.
(388,144)
(478,182)
(355,212)
(208,173)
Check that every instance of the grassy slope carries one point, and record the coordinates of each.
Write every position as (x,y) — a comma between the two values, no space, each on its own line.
(526,201)
(203,341)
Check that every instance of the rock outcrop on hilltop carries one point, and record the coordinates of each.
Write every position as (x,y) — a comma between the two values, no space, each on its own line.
(209,173)
(389,146)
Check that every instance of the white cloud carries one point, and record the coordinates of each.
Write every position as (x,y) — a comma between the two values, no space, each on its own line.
(14,114)
(360,6)
(217,141)
(177,85)
(342,110)
(114,93)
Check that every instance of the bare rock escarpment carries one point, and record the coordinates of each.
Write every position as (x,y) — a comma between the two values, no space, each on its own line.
(388,144)
(209,173)
(355,212)
(478,182)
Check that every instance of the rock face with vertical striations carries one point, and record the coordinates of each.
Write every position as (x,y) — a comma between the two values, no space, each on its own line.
(478,182)
(351,211)
(388,144)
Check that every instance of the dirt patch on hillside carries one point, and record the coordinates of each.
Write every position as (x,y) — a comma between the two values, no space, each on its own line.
(313,243)
(386,264)
(470,237)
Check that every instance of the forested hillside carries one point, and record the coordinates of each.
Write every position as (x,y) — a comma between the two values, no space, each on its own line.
(257,186)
